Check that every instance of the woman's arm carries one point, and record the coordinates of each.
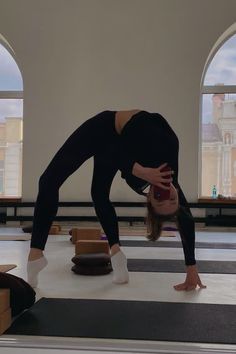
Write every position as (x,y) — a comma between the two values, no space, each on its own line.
(186,227)
(152,175)
(184,219)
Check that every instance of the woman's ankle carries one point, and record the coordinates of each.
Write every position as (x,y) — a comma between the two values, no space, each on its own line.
(35,253)
(115,249)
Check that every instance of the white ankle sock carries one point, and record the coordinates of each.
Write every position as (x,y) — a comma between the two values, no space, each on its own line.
(33,268)
(120,270)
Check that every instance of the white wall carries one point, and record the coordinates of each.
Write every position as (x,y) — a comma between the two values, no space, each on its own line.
(79,57)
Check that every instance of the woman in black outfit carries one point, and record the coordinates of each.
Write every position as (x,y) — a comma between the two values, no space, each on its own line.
(139,144)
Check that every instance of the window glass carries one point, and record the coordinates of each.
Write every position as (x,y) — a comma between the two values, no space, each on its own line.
(10,76)
(11,126)
(10,108)
(219,144)
(222,69)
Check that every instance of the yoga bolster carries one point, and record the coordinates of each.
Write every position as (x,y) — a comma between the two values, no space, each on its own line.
(92,270)
(53,230)
(92,259)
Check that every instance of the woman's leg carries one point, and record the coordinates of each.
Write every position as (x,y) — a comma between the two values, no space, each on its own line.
(105,169)
(80,146)
(61,167)
(103,174)
(85,142)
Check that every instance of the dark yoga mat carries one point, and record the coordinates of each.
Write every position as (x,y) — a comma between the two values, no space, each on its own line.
(137,320)
(177,244)
(178,266)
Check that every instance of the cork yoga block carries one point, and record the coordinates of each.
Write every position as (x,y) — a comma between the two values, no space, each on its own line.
(58,226)
(5,320)
(54,230)
(4,299)
(91,246)
(85,234)
(6,267)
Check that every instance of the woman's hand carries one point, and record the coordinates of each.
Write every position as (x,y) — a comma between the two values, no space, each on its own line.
(153,175)
(192,280)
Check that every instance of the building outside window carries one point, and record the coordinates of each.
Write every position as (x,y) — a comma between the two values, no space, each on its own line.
(11,124)
(219,122)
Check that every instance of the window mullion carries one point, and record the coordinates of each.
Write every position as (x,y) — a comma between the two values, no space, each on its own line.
(11,94)
(218,89)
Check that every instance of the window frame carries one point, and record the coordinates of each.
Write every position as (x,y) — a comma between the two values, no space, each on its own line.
(211,89)
(10,94)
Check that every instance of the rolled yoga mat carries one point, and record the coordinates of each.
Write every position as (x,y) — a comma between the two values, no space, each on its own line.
(136,320)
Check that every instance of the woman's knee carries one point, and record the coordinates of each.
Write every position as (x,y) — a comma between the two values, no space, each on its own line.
(46,183)
(99,198)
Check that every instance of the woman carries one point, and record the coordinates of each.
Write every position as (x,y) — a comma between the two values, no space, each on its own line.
(139,144)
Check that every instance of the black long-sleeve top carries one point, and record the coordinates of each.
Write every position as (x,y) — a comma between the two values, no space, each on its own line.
(148,140)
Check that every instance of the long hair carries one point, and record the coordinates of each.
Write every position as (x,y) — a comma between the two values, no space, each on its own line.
(155,222)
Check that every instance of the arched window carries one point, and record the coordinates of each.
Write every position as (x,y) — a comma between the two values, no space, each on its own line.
(219,121)
(11,123)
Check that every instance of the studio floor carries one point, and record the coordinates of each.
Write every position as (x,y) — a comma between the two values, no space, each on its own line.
(58,281)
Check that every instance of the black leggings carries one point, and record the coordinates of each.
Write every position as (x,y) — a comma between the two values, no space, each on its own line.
(96,137)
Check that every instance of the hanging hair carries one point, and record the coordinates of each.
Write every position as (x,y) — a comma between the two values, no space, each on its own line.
(155,222)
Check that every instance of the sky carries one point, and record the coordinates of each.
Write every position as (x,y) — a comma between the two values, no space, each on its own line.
(10,76)
(221,70)
(10,80)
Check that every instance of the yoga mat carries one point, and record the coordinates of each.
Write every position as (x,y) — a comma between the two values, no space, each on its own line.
(136,320)
(13,234)
(177,244)
(23,237)
(178,266)
(6,267)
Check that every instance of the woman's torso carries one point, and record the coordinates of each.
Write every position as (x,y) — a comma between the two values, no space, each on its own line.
(122,117)
(148,137)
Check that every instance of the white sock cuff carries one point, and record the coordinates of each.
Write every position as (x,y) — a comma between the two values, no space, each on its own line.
(33,268)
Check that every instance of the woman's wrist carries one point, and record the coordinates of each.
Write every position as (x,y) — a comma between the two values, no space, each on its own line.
(191,268)
(139,171)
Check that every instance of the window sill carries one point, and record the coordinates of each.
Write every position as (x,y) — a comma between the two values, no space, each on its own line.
(217,200)
(9,200)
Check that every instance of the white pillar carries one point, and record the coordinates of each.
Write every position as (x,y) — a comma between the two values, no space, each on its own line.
(12,175)
(226,171)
